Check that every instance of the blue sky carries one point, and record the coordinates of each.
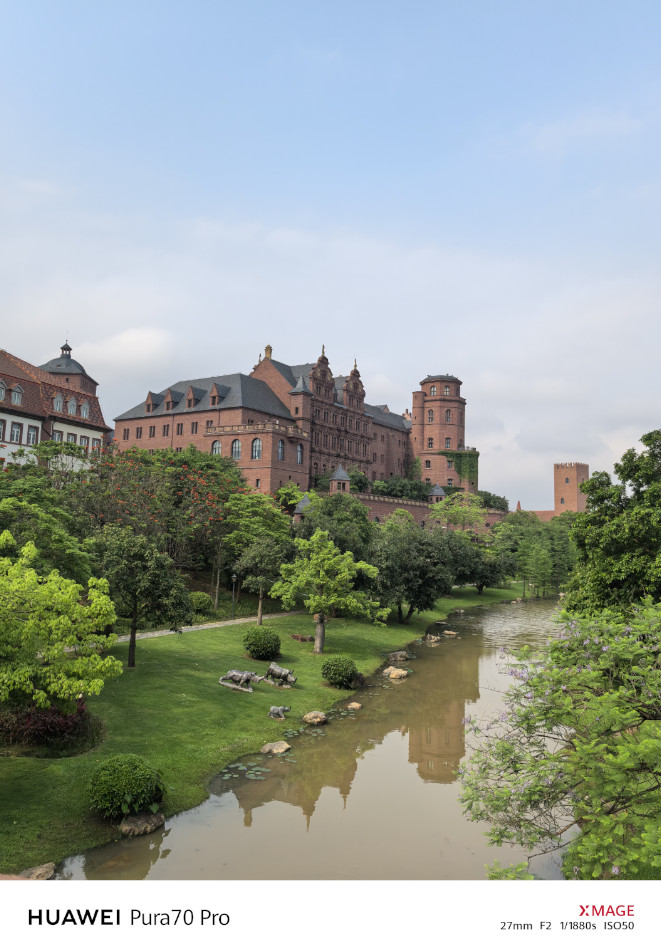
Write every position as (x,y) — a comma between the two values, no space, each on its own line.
(469,188)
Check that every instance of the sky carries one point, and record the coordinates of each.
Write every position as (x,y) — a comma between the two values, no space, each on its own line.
(425,187)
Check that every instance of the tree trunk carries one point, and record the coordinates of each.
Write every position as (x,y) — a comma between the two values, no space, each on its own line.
(409,614)
(261,605)
(400,616)
(134,628)
(319,633)
(215,600)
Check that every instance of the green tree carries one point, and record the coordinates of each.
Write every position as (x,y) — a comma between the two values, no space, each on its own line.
(259,565)
(460,510)
(491,501)
(324,578)
(575,762)
(346,520)
(49,633)
(56,548)
(414,565)
(144,582)
(618,537)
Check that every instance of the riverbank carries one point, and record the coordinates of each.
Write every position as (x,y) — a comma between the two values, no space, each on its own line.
(171,710)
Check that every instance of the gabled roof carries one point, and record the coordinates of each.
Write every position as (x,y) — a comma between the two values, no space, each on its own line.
(340,475)
(386,418)
(235,390)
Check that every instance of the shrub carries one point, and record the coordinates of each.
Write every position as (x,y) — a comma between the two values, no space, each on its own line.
(125,784)
(36,726)
(201,602)
(262,643)
(339,671)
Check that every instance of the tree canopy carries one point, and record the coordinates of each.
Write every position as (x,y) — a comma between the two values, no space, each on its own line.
(49,633)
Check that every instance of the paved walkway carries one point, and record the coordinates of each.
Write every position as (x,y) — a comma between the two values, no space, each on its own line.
(210,626)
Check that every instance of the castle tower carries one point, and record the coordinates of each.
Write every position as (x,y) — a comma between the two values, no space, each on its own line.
(438,426)
(567,478)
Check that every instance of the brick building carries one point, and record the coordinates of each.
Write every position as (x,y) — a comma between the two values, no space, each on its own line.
(55,401)
(293,422)
(567,495)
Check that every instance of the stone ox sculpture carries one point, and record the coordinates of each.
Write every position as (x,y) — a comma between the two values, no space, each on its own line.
(280,675)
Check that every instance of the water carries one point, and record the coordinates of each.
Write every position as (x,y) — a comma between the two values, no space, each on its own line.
(374,795)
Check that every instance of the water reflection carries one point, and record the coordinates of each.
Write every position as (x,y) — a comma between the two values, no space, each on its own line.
(375,796)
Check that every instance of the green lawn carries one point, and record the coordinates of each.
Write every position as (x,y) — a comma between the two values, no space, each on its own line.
(171,710)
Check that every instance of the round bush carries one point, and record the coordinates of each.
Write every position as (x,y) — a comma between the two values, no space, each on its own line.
(262,643)
(125,784)
(201,602)
(339,671)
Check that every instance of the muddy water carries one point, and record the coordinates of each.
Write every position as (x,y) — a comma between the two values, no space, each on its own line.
(372,795)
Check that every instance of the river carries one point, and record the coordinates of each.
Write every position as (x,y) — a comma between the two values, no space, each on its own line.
(371,795)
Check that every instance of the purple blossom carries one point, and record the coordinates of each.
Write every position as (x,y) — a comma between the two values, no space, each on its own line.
(615,870)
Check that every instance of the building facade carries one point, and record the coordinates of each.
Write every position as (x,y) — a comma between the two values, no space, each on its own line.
(567,495)
(287,422)
(55,401)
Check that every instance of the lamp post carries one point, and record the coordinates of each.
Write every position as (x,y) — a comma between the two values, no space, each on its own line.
(233,589)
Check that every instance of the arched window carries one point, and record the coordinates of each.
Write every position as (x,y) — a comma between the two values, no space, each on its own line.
(446,391)
(432,391)
(256,449)
(448,416)
(71,407)
(58,403)
(281,450)
(236,449)
(85,410)
(215,447)
(562,501)
(299,454)
(430,416)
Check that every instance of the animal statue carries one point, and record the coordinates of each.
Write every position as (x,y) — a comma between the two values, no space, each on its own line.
(241,678)
(281,674)
(278,713)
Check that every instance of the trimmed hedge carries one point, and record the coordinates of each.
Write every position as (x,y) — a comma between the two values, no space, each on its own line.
(339,671)
(261,642)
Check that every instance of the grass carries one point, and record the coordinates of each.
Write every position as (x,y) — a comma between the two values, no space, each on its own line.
(171,710)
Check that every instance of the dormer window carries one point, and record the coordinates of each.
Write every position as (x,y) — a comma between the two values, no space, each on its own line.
(17,396)
(169,404)
(58,403)
(2,391)
(85,410)
(71,407)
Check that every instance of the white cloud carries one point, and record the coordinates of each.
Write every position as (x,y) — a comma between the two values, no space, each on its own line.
(575,132)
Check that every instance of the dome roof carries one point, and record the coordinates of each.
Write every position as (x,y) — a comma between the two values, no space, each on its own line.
(64,363)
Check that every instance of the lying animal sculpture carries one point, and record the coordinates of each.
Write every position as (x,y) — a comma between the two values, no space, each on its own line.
(278,712)
(282,674)
(241,677)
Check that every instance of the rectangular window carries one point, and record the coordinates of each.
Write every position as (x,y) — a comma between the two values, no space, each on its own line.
(32,435)
(152,432)
(57,436)
(373,457)
(138,432)
(213,400)
(2,429)
(71,437)
(447,442)
(210,423)
(85,442)
(125,434)
(166,429)
(430,443)
(16,432)
(257,483)
(96,445)
(16,397)
(449,481)
(449,463)
(193,429)
(427,464)
(180,429)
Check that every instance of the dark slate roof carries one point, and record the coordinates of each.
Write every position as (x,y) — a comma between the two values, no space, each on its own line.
(340,474)
(301,386)
(293,373)
(393,420)
(235,389)
(437,490)
(302,505)
(65,364)
(441,376)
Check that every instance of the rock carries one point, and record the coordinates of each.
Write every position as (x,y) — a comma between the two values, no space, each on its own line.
(433,639)
(141,823)
(305,638)
(354,705)
(40,873)
(280,746)
(397,656)
(395,673)
(450,633)
(315,716)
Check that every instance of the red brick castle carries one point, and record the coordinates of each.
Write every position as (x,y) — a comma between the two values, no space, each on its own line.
(283,422)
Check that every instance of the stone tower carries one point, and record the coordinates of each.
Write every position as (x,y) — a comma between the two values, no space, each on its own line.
(438,426)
